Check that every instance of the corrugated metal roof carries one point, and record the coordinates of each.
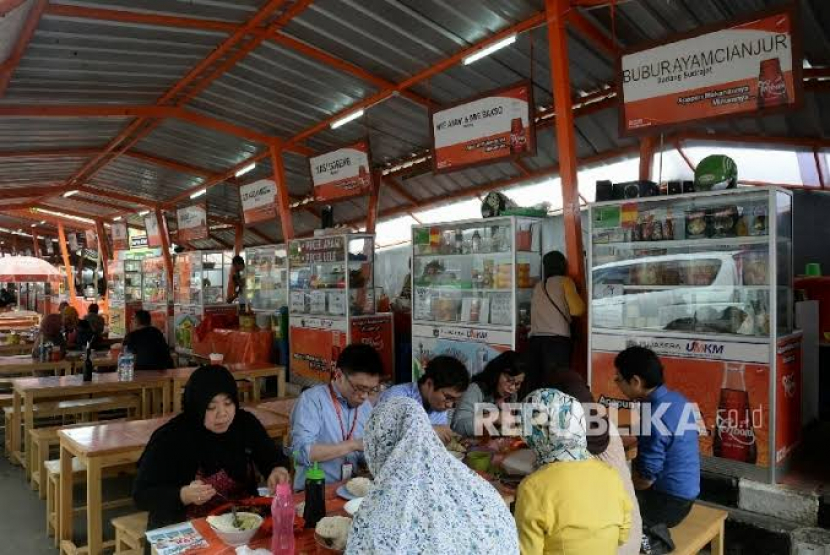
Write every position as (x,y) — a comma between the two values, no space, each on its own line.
(10,27)
(236,11)
(76,204)
(20,133)
(145,180)
(36,171)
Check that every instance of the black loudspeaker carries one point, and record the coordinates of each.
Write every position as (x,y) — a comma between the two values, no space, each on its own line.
(604,191)
(688,186)
(674,188)
(327,217)
(636,189)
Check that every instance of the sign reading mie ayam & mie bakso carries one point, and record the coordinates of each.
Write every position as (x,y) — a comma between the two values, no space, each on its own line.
(749,66)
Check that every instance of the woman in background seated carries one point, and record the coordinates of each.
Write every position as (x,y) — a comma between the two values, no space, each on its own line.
(573,503)
(205,456)
(498,383)
(423,499)
(51,331)
(70,327)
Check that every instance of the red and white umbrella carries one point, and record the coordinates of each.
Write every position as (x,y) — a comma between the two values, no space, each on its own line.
(24,269)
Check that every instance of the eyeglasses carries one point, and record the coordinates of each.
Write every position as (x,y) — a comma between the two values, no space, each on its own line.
(517,382)
(360,388)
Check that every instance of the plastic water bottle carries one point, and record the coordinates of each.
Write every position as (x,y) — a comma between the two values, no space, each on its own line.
(282,512)
(126,365)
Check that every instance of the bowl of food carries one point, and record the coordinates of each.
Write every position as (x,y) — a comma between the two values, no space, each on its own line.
(235,533)
(332,533)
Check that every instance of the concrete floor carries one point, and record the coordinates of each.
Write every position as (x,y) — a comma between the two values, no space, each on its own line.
(23,514)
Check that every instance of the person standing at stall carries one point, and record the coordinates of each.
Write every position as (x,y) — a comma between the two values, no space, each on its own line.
(444,382)
(236,280)
(554,303)
(327,420)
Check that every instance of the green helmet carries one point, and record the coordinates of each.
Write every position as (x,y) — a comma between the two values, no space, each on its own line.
(715,173)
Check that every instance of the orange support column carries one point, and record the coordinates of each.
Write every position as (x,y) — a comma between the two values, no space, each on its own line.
(374,194)
(103,248)
(70,278)
(161,221)
(556,12)
(282,193)
(238,239)
(35,244)
(646,157)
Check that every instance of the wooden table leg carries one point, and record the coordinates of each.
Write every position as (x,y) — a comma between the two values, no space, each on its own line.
(177,395)
(165,398)
(281,383)
(145,403)
(255,394)
(94,510)
(718,544)
(28,424)
(64,513)
(14,433)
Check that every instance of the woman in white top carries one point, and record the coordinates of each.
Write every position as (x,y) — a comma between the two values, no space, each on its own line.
(555,301)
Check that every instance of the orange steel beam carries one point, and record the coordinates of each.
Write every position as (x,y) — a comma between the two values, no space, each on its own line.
(57,153)
(7,6)
(75,213)
(170,164)
(217,179)
(590,31)
(523,169)
(222,126)
(164,232)
(137,17)
(268,240)
(23,192)
(103,246)
(398,188)
(647,145)
(337,63)
(283,205)
(223,244)
(26,34)
(530,23)
(70,278)
(35,244)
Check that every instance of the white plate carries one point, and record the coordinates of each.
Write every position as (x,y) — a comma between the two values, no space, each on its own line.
(353,505)
(345,494)
(264,492)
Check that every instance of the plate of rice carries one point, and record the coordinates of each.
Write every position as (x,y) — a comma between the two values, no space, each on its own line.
(332,532)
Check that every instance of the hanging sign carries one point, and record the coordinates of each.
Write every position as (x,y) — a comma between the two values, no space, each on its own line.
(484,129)
(120,239)
(91,239)
(151,225)
(746,67)
(342,173)
(73,242)
(316,251)
(138,241)
(192,222)
(50,248)
(259,201)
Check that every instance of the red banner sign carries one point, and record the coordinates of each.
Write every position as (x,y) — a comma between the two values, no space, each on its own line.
(151,225)
(91,239)
(259,201)
(342,173)
(746,67)
(120,238)
(192,221)
(485,129)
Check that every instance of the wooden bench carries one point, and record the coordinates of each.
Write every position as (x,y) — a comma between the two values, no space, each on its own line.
(702,528)
(129,533)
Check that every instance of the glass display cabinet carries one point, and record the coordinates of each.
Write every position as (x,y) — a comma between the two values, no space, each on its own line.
(705,280)
(266,281)
(331,304)
(472,282)
(124,292)
(156,296)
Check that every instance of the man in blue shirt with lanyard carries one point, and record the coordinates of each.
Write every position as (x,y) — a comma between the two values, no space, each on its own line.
(327,420)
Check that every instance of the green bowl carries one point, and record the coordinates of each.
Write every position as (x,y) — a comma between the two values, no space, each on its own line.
(479,460)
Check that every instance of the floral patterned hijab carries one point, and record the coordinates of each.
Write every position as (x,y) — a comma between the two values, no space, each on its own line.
(424,500)
(557,427)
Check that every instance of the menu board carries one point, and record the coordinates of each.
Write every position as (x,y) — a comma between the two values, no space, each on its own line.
(749,66)
(192,222)
(259,201)
(316,251)
(341,173)
(494,126)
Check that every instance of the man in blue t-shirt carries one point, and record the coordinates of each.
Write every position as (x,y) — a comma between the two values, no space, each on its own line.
(666,472)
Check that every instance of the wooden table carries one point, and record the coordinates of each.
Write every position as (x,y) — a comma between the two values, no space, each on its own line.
(9,349)
(101,359)
(25,365)
(29,391)
(103,446)
(282,406)
(250,372)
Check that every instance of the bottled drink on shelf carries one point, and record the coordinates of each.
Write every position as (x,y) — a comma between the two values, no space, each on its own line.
(734,435)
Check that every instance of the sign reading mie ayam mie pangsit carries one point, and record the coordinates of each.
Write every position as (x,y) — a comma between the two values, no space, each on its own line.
(748,66)
(484,129)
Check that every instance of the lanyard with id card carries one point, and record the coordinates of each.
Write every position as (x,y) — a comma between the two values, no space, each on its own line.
(346,469)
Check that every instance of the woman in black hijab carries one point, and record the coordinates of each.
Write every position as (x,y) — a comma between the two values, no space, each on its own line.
(205,456)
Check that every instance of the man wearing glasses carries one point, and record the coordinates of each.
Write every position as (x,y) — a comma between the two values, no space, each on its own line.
(327,420)
(444,382)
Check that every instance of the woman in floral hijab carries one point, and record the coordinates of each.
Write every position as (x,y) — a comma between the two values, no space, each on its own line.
(573,503)
(423,499)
